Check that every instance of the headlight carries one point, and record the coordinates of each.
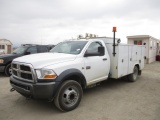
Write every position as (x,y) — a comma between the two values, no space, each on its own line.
(46,74)
(1,61)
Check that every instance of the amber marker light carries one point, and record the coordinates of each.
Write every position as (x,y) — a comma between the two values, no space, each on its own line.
(114,29)
(1,60)
(50,76)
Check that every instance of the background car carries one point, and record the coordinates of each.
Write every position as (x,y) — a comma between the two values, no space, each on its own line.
(24,49)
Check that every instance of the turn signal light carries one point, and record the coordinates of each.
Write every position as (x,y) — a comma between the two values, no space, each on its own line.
(1,60)
(52,76)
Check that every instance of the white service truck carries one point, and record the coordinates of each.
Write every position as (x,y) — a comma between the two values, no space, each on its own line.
(72,66)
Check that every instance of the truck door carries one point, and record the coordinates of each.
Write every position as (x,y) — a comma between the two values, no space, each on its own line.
(96,67)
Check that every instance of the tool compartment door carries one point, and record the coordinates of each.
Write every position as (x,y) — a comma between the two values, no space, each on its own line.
(123,60)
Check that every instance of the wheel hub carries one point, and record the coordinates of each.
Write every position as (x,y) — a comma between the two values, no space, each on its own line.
(70,96)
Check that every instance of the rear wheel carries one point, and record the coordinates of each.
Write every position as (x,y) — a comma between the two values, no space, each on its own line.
(69,96)
(133,77)
(8,70)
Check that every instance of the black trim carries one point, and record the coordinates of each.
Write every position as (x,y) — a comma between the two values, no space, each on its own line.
(71,72)
(36,91)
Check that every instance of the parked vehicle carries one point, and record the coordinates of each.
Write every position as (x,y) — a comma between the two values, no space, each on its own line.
(72,66)
(25,49)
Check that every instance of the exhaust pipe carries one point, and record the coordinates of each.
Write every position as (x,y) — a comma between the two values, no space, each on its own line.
(12,89)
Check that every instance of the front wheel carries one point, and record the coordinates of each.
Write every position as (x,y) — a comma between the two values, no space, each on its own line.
(69,95)
(8,70)
(133,77)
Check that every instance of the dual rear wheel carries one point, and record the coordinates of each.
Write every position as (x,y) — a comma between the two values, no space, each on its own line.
(133,77)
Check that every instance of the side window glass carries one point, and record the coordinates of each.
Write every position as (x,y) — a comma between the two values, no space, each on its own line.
(32,50)
(93,47)
(42,49)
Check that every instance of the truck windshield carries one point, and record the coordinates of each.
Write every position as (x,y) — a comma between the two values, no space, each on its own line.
(69,47)
(19,50)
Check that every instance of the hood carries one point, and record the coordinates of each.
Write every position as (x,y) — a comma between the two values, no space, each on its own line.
(8,55)
(41,60)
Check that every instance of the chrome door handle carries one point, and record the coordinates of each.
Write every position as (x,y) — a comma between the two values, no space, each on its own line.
(88,67)
(104,59)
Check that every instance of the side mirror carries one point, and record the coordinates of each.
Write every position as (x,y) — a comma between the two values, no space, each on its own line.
(99,53)
(101,50)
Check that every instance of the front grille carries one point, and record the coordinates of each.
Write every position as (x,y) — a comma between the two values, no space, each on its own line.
(14,72)
(26,76)
(14,66)
(23,71)
(25,68)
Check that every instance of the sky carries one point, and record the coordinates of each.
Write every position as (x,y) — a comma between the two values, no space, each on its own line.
(53,21)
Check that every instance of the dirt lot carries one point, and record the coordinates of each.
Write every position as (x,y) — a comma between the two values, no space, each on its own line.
(112,100)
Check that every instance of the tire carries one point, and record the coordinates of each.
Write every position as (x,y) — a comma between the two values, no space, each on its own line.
(69,96)
(133,77)
(8,70)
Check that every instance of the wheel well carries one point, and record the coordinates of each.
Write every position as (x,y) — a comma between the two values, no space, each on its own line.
(77,78)
(137,65)
(139,71)
(8,63)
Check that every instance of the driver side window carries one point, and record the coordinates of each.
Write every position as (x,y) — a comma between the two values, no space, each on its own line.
(93,47)
(32,50)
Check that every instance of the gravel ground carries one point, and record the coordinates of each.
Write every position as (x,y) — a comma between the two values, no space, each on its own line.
(112,100)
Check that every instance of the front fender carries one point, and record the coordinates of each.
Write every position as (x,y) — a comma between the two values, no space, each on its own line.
(69,74)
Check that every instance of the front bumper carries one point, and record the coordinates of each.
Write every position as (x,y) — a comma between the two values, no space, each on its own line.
(2,68)
(34,90)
